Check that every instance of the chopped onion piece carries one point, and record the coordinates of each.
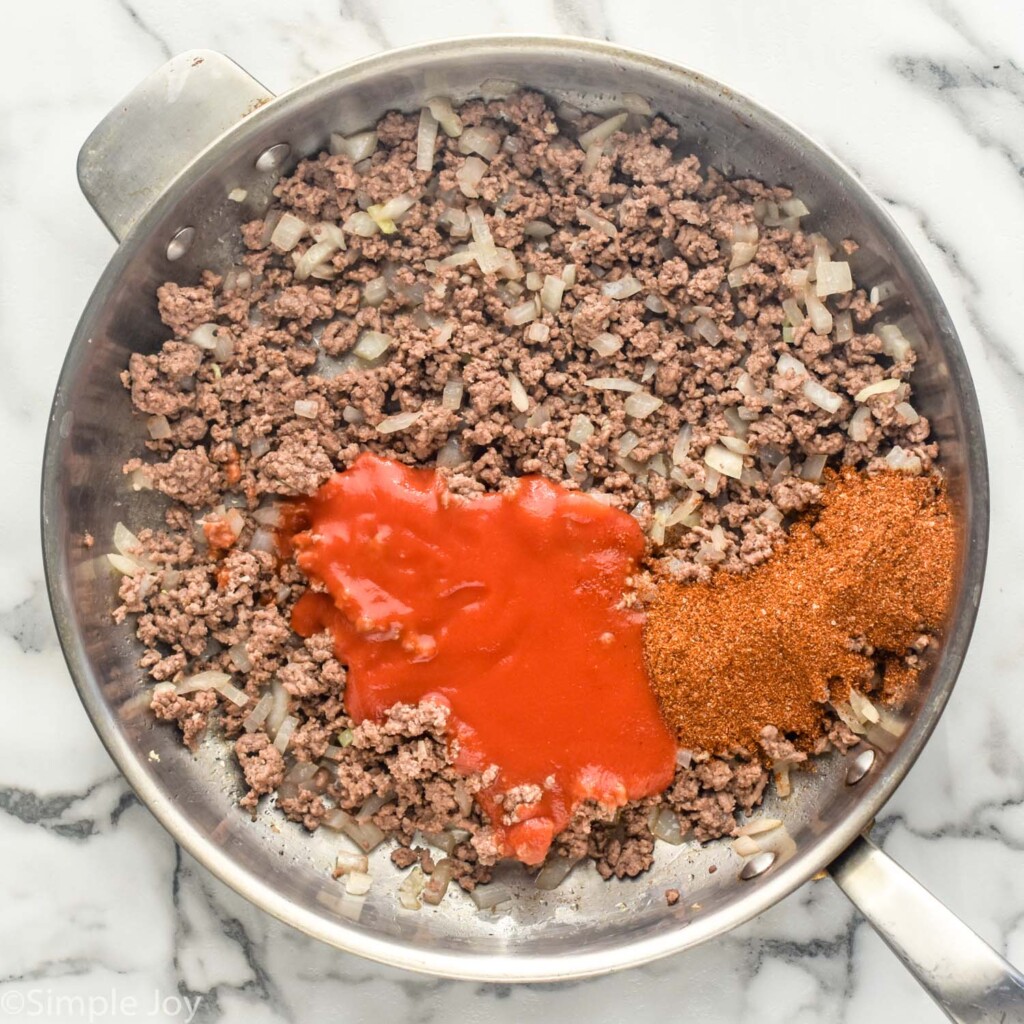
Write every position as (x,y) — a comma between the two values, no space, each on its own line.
(757,826)
(450,454)
(863,708)
(124,564)
(538,332)
(485,141)
(288,232)
(736,444)
(569,275)
(636,104)
(357,883)
(742,254)
(793,312)
(641,404)
(745,846)
(708,330)
(685,513)
(589,219)
(821,318)
(284,733)
(372,345)
(258,715)
(681,447)
(239,655)
(348,860)
(664,825)
(361,224)
(580,430)
(313,257)
(882,292)
(537,229)
(612,384)
(627,443)
(772,514)
(516,316)
(908,413)
(899,458)
(859,428)
(656,304)
(159,428)
(375,291)
(400,421)
(307,409)
(426,140)
(605,344)
(847,717)
(623,288)
(540,415)
(441,108)
(356,147)
(553,873)
(237,195)
(551,293)
(894,344)
(880,387)
(486,897)
(281,701)
(520,400)
(604,130)
(451,395)
(789,364)
(478,223)
(204,336)
(821,396)
(832,278)
(723,461)
(468,176)
(813,467)
(844,327)
(433,892)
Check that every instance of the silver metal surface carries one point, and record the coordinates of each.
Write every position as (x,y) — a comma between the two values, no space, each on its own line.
(757,865)
(585,927)
(860,766)
(970,981)
(134,152)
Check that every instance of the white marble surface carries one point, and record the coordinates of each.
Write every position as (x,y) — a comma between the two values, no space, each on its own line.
(924,99)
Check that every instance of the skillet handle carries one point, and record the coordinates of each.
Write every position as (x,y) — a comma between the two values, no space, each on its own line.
(969,980)
(135,152)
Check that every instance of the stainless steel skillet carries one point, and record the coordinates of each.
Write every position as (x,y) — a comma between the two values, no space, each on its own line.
(158,171)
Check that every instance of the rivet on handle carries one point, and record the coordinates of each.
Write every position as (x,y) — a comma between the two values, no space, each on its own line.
(180,243)
(862,764)
(272,158)
(757,865)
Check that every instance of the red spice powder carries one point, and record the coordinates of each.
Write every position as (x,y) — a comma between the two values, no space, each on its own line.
(852,594)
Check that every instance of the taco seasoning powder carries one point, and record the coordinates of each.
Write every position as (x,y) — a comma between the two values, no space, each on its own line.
(857,589)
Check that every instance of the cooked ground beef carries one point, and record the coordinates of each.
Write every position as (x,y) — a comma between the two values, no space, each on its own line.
(283,399)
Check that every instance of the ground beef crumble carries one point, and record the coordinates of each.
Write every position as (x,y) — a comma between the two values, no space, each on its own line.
(282,402)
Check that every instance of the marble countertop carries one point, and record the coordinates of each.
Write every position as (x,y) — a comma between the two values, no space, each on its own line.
(924,99)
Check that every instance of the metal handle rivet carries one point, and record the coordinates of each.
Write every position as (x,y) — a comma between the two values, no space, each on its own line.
(272,158)
(861,766)
(180,243)
(757,865)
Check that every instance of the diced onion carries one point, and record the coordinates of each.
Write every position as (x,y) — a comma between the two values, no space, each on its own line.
(882,292)
(450,454)
(863,708)
(832,278)
(880,387)
(641,404)
(315,255)
(348,861)
(723,461)
(375,291)
(537,229)
(520,400)
(219,681)
(124,564)
(538,332)
(521,314)
(551,293)
(485,141)
(580,430)
(623,288)
(908,413)
(468,176)
(486,897)
(627,443)
(441,108)
(793,312)
(372,345)
(258,715)
(553,873)
(612,384)
(400,421)
(790,364)
(664,825)
(821,318)
(159,428)
(821,396)
(605,344)
(411,888)
(844,327)
(859,428)
(288,232)
(708,330)
(736,444)
(894,344)
(900,458)
(681,447)
(358,883)
(757,826)
(589,219)
(426,140)
(451,395)
(813,467)
(742,254)
(307,409)
(204,336)
(361,224)
(604,130)
(284,733)
(356,147)
(745,846)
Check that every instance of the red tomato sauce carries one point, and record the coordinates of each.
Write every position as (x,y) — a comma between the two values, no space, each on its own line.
(508,608)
